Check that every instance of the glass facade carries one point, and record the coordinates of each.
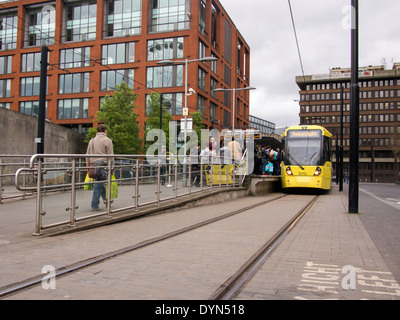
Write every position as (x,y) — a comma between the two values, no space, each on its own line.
(5,88)
(75,58)
(172,102)
(162,49)
(165,76)
(8,30)
(73,83)
(31,108)
(124,18)
(94,45)
(73,108)
(81,21)
(30,62)
(42,27)
(169,15)
(5,64)
(111,78)
(118,53)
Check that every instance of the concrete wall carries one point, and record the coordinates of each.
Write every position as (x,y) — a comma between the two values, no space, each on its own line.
(18,132)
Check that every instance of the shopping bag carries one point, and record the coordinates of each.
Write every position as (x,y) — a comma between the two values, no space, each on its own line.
(91,172)
(114,188)
(88,186)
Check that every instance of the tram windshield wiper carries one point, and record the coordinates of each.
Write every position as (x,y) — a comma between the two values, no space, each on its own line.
(295,161)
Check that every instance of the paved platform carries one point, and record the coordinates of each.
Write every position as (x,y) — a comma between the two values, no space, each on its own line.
(328,255)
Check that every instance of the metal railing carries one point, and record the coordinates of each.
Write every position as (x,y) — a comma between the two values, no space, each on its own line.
(63,194)
(9,164)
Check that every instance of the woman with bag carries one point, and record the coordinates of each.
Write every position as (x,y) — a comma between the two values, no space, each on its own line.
(100,144)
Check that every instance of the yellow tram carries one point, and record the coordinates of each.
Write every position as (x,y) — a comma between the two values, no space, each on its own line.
(307,159)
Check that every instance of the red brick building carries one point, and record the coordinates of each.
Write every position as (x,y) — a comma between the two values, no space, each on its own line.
(94,45)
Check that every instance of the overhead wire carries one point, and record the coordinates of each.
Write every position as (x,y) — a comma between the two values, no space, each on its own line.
(298,49)
(295,35)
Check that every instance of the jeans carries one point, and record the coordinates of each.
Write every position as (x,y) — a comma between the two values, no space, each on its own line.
(99,189)
(264,163)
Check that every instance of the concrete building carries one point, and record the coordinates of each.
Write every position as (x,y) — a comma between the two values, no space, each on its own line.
(95,45)
(320,103)
(264,126)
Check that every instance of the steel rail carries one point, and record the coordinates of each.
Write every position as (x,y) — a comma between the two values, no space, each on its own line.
(17,287)
(232,287)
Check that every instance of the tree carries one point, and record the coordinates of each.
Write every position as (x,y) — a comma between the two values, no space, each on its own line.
(153,120)
(117,112)
(197,123)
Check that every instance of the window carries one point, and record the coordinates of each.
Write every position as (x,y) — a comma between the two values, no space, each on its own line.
(31,108)
(213,86)
(75,58)
(239,56)
(73,108)
(227,75)
(202,50)
(110,79)
(42,27)
(202,79)
(6,105)
(165,76)
(30,62)
(213,111)
(30,86)
(5,88)
(202,20)
(5,64)
(81,21)
(172,102)
(162,49)
(118,53)
(123,17)
(169,15)
(213,64)
(228,41)
(227,119)
(73,83)
(8,30)
(201,103)
(214,12)
(227,98)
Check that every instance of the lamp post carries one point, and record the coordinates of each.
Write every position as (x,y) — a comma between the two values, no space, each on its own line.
(233,102)
(354,115)
(161,112)
(186,62)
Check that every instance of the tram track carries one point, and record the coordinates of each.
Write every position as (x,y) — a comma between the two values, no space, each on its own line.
(26,284)
(228,290)
(234,285)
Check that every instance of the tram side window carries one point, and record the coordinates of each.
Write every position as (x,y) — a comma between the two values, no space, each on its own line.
(327,149)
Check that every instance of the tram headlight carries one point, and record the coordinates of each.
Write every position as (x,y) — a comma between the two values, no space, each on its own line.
(317,171)
(289,171)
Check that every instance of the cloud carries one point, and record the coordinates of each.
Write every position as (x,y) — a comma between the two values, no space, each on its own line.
(267,27)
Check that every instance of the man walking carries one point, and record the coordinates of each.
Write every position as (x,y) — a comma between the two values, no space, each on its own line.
(100,144)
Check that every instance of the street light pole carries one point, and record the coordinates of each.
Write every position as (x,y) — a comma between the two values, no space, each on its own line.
(354,114)
(42,100)
(161,114)
(186,62)
(233,102)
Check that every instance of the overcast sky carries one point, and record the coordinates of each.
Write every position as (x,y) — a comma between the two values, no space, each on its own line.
(324,43)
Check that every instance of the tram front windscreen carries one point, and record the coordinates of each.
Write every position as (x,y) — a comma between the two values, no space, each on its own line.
(303,148)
